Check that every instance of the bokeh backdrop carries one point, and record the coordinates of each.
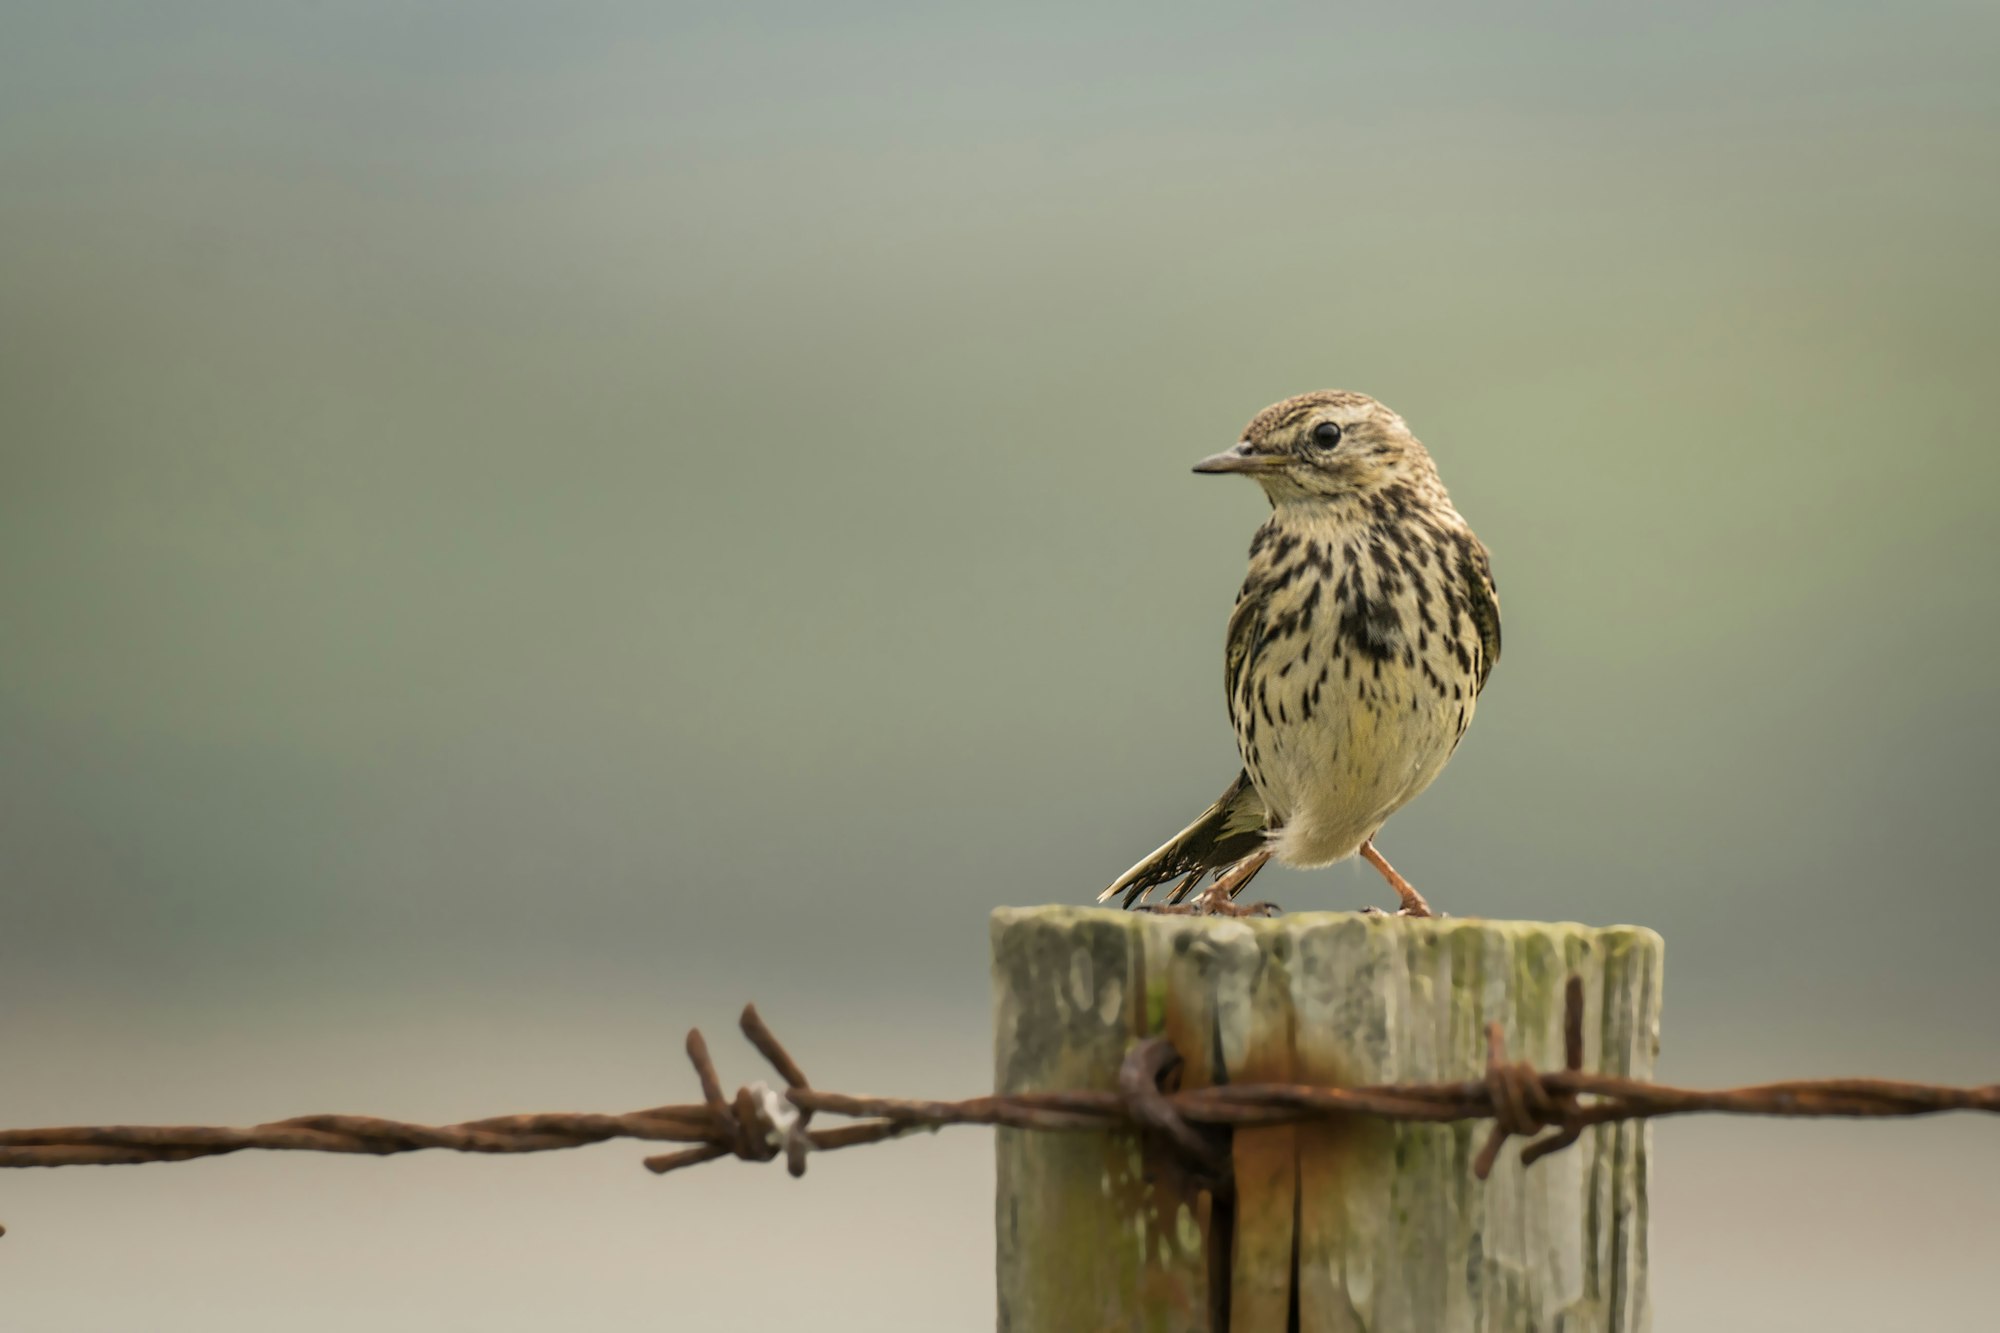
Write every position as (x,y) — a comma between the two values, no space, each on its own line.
(524,526)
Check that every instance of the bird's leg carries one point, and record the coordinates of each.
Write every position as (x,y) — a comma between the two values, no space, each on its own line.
(1219,898)
(1413,902)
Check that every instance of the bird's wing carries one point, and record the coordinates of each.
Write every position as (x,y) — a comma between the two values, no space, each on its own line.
(1246,628)
(1476,571)
(1224,834)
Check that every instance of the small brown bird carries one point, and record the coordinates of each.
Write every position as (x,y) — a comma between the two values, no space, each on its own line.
(1361,639)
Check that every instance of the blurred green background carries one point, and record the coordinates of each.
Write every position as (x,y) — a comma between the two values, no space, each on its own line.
(525,526)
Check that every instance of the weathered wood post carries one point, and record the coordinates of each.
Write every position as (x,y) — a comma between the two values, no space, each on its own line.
(1336,1228)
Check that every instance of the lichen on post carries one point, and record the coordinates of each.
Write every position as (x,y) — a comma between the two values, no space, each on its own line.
(1344,1226)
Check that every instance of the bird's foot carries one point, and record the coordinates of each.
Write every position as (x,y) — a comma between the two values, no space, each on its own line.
(1413,903)
(1210,903)
(1219,898)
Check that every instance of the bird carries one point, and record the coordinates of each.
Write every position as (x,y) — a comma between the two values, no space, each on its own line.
(1361,639)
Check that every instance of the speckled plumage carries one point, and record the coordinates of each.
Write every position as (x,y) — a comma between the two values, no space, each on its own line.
(1362,636)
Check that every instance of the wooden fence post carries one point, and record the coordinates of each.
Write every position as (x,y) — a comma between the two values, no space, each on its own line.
(1337,1228)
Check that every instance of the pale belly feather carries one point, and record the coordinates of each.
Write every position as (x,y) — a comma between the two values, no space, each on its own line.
(1333,779)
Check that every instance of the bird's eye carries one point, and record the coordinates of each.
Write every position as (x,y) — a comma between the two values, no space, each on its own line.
(1326,434)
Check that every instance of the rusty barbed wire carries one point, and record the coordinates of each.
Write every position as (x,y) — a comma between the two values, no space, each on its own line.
(762,1122)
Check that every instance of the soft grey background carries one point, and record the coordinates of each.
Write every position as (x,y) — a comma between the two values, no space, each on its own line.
(522,527)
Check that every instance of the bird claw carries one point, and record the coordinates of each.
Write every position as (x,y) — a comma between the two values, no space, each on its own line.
(1426,914)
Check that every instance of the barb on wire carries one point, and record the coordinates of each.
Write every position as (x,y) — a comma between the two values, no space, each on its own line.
(1551,1110)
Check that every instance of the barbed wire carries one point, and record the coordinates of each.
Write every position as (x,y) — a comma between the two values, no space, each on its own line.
(763,1122)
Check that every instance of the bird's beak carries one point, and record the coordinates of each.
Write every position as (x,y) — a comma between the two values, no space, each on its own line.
(1240,459)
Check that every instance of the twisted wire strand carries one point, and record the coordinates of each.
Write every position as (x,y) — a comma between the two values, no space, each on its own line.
(763,1122)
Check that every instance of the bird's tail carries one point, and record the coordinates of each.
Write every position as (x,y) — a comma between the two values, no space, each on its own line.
(1225,833)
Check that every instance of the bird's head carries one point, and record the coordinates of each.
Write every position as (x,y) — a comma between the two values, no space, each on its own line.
(1325,444)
